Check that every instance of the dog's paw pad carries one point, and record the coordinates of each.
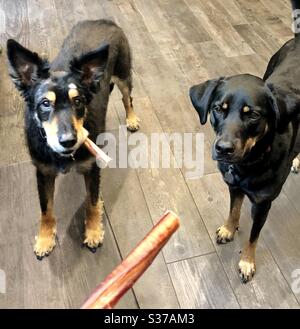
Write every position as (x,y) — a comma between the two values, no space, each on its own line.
(247,270)
(224,234)
(44,246)
(295,166)
(133,124)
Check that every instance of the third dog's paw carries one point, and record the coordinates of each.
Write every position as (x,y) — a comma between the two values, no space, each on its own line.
(44,245)
(246,269)
(295,166)
(93,239)
(225,234)
(133,123)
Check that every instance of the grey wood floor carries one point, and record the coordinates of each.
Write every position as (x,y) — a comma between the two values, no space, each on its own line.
(175,43)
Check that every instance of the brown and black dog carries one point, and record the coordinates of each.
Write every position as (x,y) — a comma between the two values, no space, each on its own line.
(256,123)
(61,99)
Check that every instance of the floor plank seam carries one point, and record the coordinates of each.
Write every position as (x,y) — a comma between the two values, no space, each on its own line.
(119,251)
(192,257)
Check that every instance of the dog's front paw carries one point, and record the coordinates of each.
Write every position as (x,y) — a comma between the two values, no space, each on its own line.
(225,234)
(246,269)
(94,238)
(295,166)
(133,123)
(44,245)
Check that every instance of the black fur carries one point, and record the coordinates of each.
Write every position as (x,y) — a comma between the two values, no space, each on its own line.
(274,102)
(93,52)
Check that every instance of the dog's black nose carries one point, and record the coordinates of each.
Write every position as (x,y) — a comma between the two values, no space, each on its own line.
(68,140)
(224,147)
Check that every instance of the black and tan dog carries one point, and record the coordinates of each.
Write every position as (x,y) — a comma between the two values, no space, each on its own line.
(256,124)
(63,100)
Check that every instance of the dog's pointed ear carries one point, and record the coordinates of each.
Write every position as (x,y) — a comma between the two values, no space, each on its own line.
(285,105)
(91,66)
(25,66)
(201,96)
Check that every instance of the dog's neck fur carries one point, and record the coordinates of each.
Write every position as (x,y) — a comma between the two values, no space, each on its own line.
(259,160)
(256,161)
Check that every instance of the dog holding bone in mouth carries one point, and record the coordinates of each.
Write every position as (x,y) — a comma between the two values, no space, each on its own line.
(66,101)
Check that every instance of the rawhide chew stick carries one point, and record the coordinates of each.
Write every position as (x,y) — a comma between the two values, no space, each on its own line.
(116,284)
(97,152)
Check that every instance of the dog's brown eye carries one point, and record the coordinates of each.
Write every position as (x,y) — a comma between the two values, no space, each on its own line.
(46,103)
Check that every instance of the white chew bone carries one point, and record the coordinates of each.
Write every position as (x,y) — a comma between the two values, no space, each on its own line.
(84,133)
(95,150)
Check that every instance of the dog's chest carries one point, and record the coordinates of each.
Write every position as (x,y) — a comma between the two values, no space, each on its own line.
(81,167)
(65,167)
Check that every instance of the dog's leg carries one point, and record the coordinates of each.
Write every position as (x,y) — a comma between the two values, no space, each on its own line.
(226,232)
(45,241)
(247,267)
(94,231)
(295,166)
(125,86)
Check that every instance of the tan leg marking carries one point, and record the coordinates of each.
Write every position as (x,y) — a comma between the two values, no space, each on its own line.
(94,230)
(295,166)
(247,266)
(132,121)
(45,241)
(225,233)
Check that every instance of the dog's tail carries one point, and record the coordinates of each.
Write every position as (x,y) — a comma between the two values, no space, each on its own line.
(296,17)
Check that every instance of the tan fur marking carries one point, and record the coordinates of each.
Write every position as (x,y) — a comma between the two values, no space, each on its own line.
(225,106)
(250,143)
(225,233)
(246,109)
(94,231)
(295,166)
(247,266)
(132,120)
(72,93)
(51,96)
(82,133)
(78,124)
(59,74)
(45,241)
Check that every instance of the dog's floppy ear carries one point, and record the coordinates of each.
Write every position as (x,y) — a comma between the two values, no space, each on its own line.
(201,96)
(25,66)
(285,104)
(91,66)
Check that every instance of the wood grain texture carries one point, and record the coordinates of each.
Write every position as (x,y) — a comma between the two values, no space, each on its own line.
(212,198)
(67,277)
(200,282)
(124,276)
(130,219)
(159,198)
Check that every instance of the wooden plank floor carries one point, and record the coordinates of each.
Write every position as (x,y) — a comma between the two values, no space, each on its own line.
(175,43)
